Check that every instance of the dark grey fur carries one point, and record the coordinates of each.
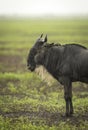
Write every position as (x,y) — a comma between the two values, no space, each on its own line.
(66,63)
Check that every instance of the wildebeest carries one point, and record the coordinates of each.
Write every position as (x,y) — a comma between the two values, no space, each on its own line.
(66,63)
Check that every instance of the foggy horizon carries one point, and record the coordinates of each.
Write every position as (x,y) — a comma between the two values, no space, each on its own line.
(38,8)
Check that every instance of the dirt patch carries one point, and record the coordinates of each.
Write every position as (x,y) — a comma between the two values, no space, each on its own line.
(82,96)
(3,42)
(12,63)
(10,59)
(48,117)
(80,87)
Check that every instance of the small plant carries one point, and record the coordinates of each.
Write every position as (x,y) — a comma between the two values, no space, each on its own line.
(11,87)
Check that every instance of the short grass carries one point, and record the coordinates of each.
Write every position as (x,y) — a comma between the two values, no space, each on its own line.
(26,101)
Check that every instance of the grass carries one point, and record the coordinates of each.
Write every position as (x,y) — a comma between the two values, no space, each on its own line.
(26,101)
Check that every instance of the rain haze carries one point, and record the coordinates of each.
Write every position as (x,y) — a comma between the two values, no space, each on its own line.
(44,7)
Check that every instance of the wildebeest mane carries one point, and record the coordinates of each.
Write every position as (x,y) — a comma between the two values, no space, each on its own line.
(52,44)
(65,45)
(73,44)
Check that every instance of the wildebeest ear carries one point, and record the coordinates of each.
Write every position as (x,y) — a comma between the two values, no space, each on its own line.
(45,40)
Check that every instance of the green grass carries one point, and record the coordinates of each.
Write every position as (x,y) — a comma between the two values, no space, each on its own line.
(26,101)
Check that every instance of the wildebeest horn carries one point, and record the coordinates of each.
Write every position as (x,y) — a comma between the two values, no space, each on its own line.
(45,40)
(41,35)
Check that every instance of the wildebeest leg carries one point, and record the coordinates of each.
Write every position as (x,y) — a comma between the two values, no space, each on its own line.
(70,100)
(66,100)
(68,96)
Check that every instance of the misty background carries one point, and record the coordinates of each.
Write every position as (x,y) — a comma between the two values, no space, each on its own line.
(32,8)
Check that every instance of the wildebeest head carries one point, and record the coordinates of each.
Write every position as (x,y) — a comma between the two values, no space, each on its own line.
(31,57)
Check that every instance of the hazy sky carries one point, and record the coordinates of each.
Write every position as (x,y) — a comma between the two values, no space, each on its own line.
(40,7)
